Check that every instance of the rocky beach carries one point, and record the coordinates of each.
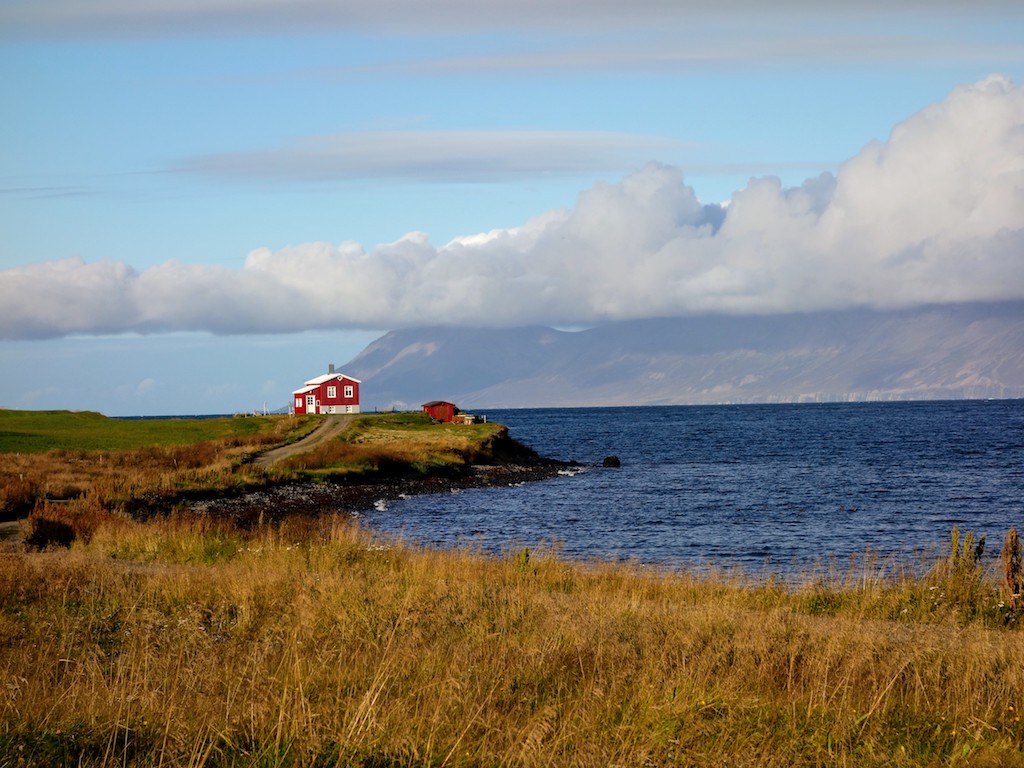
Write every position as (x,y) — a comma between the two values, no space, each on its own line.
(313,499)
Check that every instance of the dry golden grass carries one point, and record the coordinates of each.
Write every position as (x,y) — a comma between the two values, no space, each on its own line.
(182,642)
(417,439)
(411,439)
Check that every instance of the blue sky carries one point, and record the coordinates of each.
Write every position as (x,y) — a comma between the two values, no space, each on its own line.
(203,203)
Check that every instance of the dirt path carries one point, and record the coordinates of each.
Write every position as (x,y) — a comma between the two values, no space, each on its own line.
(333,426)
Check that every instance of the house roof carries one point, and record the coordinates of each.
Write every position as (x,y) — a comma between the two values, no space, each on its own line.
(304,390)
(328,376)
(432,403)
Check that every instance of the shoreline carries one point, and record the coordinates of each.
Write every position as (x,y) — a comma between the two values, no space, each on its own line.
(312,499)
(335,483)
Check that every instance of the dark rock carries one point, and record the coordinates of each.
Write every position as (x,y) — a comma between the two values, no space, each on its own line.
(611,461)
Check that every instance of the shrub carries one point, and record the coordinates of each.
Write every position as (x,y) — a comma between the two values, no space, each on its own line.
(61,524)
(17,496)
(45,532)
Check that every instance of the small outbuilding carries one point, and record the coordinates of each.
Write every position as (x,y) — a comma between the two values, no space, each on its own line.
(441,410)
(331,392)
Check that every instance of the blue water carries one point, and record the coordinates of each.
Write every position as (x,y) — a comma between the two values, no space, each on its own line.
(754,486)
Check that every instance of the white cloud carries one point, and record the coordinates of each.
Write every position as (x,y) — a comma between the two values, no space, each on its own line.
(933,214)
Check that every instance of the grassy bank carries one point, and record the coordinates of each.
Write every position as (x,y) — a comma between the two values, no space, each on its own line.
(400,443)
(73,467)
(180,642)
(95,463)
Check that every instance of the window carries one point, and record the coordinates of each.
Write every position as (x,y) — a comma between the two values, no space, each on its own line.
(332,392)
(348,391)
(298,402)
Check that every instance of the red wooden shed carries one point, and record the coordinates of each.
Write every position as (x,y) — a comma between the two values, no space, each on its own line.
(441,410)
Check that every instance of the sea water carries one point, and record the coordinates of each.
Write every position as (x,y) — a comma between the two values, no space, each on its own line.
(755,486)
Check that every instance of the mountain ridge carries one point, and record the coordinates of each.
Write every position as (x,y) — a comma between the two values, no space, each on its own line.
(935,352)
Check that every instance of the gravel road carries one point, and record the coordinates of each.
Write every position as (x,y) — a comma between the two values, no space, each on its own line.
(333,426)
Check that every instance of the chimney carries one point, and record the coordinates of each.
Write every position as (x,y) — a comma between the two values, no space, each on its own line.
(330,367)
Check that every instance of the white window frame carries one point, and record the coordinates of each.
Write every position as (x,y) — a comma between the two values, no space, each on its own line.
(349,390)
(332,393)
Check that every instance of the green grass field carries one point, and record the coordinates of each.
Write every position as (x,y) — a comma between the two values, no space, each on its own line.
(41,431)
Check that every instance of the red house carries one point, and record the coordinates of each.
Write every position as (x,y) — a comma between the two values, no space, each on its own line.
(330,393)
(441,410)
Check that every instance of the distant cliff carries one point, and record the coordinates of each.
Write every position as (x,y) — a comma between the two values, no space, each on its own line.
(956,351)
